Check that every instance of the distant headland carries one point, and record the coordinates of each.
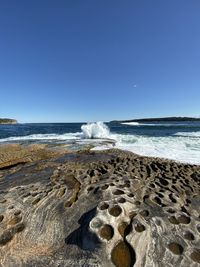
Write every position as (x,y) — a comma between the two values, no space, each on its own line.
(160,119)
(7,121)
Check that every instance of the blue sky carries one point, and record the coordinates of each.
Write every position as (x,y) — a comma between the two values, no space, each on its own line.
(88,60)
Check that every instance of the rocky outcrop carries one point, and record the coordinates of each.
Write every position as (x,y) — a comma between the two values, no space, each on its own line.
(108,208)
(8,121)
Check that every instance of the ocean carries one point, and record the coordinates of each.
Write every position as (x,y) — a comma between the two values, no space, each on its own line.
(178,141)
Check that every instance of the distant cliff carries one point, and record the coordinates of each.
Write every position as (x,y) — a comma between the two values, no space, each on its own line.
(7,121)
(160,119)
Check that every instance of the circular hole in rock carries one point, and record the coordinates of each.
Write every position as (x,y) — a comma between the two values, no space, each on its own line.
(104,206)
(118,192)
(173,220)
(171,210)
(130,195)
(127,185)
(124,228)
(144,213)
(17,212)
(115,211)
(163,181)
(198,228)
(104,187)
(139,227)
(158,201)
(175,248)
(121,200)
(96,223)
(189,236)
(195,255)
(183,219)
(123,255)
(137,203)
(106,232)
(19,227)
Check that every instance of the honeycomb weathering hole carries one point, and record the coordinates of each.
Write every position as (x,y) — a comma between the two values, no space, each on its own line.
(104,206)
(123,255)
(122,228)
(183,219)
(106,232)
(118,192)
(173,220)
(175,248)
(195,255)
(115,211)
(121,200)
(189,236)
(139,227)
(144,213)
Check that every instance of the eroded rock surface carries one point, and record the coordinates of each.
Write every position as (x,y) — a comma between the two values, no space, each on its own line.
(108,208)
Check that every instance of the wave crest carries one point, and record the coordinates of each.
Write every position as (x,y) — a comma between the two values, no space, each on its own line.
(95,130)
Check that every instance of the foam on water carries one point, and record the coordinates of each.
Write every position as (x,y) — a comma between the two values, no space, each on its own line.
(179,148)
(130,123)
(66,136)
(188,134)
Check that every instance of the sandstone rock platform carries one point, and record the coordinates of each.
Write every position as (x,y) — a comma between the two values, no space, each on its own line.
(108,208)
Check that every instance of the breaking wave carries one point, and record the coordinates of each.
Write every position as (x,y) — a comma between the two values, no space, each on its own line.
(96,130)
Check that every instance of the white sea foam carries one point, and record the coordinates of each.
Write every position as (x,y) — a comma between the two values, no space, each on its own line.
(179,148)
(176,148)
(188,134)
(66,136)
(96,130)
(134,123)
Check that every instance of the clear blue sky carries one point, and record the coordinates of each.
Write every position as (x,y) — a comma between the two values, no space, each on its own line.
(88,60)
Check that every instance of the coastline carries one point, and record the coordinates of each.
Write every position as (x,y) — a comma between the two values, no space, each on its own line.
(72,207)
(4,121)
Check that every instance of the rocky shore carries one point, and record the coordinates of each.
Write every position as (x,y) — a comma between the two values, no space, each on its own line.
(8,121)
(107,208)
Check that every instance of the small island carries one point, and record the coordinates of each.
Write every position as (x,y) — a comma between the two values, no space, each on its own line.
(8,121)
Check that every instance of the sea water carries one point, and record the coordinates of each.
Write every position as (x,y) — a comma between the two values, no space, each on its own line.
(179,141)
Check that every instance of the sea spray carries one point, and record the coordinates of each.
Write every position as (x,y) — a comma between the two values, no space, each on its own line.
(95,130)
